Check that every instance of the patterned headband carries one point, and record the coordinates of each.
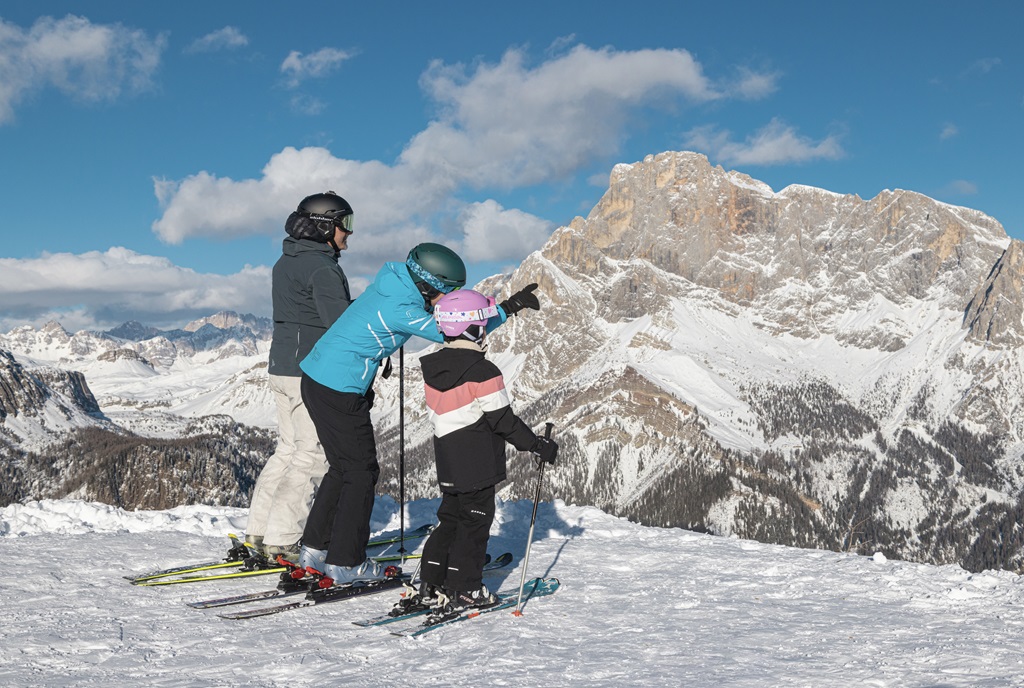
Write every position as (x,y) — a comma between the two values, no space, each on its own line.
(430,279)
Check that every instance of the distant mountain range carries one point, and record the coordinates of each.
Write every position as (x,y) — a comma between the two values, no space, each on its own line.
(798,367)
(135,416)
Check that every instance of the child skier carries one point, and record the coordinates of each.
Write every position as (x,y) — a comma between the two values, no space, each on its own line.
(472,420)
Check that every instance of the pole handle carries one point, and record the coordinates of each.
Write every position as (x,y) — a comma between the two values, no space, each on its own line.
(548,427)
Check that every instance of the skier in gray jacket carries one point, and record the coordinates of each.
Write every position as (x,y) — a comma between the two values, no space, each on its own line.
(309,291)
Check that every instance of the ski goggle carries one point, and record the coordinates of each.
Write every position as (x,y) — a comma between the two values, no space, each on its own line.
(344,223)
(467,316)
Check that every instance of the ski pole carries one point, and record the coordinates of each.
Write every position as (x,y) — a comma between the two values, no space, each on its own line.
(533,521)
(401,446)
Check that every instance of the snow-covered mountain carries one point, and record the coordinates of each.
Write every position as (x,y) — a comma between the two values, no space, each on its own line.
(637,606)
(794,366)
(153,382)
(136,417)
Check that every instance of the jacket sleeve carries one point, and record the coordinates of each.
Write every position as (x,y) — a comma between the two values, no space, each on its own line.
(499,415)
(415,321)
(330,293)
(498,320)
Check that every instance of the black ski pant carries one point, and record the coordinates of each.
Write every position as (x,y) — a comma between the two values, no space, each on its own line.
(454,554)
(339,520)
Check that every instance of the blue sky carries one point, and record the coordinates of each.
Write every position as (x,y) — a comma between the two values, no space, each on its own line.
(149,152)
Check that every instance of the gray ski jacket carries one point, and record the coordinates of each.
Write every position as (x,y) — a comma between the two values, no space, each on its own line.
(309,292)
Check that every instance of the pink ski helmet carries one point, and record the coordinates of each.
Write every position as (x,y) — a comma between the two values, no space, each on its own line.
(456,311)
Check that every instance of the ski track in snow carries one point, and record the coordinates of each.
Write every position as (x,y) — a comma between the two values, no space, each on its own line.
(638,606)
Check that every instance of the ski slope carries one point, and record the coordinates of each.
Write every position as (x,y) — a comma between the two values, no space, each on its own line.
(638,606)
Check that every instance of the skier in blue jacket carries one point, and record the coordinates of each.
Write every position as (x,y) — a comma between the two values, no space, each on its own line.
(337,390)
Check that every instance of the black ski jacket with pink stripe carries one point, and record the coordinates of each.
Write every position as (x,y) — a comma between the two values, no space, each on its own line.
(472,418)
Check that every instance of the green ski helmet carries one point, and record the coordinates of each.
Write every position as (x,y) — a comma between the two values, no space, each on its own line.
(436,268)
(326,210)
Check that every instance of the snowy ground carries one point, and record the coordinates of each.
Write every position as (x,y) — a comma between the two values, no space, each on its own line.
(638,606)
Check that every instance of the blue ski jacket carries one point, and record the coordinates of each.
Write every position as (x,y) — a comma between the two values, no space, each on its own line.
(373,327)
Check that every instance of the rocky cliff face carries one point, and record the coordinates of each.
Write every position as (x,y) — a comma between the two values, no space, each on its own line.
(26,392)
(995,313)
(19,391)
(797,366)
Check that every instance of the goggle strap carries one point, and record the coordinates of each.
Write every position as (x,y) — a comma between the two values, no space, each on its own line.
(467,316)
(430,279)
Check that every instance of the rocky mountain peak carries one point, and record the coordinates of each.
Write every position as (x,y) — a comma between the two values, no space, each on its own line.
(53,331)
(228,320)
(802,256)
(133,331)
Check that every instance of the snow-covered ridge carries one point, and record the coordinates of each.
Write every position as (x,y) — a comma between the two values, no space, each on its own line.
(637,606)
(51,517)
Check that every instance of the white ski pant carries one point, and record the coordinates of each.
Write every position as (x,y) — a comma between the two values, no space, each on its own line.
(288,482)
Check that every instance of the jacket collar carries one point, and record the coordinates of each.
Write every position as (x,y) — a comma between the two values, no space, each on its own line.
(465,344)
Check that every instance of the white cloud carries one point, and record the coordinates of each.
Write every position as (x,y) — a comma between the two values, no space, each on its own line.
(982,66)
(949,130)
(498,125)
(959,187)
(753,85)
(205,205)
(304,104)
(227,38)
(492,233)
(561,43)
(387,202)
(105,289)
(298,67)
(508,124)
(86,61)
(774,144)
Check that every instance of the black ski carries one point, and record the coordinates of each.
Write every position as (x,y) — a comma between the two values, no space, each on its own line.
(399,614)
(320,596)
(538,587)
(291,586)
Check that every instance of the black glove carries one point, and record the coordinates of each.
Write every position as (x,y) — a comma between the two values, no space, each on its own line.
(546,449)
(524,298)
(370,396)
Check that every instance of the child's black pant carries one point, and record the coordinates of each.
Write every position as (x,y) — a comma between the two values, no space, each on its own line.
(454,554)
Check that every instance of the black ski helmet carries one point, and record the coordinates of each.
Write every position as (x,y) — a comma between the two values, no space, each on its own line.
(324,211)
(437,267)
